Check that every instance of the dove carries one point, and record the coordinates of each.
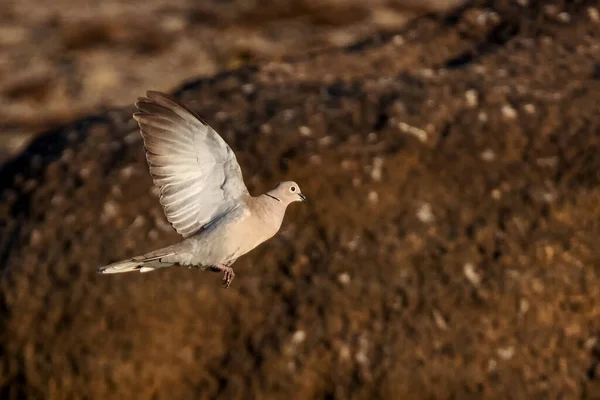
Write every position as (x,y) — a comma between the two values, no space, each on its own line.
(202,193)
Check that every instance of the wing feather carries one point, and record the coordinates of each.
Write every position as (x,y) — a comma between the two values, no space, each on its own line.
(197,173)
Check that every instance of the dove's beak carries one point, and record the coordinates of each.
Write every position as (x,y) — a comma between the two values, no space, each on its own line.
(302,197)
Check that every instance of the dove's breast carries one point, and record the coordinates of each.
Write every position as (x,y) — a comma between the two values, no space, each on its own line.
(233,235)
(254,228)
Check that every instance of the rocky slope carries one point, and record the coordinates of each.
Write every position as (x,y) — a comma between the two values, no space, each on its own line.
(449,248)
(69,58)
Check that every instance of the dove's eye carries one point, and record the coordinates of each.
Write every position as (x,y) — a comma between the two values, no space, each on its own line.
(293,188)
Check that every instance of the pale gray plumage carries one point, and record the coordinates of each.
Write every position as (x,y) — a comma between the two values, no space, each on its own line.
(202,192)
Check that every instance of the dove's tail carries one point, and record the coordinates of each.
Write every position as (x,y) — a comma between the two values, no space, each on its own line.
(145,263)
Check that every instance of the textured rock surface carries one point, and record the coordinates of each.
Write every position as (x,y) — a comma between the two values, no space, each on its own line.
(449,250)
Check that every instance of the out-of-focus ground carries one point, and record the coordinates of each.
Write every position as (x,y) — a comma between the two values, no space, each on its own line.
(449,249)
(70,58)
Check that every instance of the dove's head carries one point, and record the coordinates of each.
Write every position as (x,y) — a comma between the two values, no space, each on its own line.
(287,192)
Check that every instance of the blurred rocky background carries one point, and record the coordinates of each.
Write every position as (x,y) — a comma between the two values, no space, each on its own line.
(449,249)
(63,59)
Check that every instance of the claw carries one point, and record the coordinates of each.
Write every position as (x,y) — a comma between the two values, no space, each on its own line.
(228,277)
(228,274)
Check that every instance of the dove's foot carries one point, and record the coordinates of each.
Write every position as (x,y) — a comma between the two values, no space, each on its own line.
(228,274)
(228,277)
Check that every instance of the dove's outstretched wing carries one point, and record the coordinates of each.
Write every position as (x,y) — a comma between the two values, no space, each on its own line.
(196,171)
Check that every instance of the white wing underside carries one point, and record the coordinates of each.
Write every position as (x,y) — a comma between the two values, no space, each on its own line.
(196,171)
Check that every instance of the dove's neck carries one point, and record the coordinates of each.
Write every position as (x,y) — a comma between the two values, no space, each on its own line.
(270,210)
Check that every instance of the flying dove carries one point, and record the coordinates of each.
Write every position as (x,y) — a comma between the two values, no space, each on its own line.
(202,192)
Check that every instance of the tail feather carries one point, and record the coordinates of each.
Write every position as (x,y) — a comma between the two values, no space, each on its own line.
(118,267)
(141,264)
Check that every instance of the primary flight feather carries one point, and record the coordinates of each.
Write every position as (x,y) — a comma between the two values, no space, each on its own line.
(202,192)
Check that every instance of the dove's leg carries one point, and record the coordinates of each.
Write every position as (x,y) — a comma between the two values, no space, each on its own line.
(228,273)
